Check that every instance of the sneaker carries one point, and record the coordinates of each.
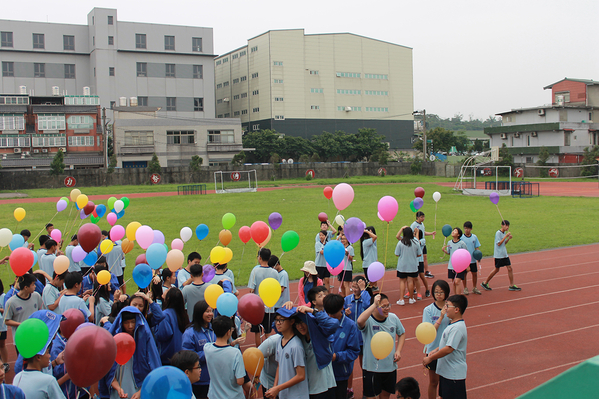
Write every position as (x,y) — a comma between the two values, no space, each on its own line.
(6,367)
(350,393)
(419,297)
(415,292)
(411,301)
(476,291)
(406,296)
(428,275)
(466,292)
(486,286)
(515,288)
(401,302)
(427,293)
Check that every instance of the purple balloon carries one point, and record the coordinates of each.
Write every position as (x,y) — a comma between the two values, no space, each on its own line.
(494,197)
(86,324)
(209,272)
(275,220)
(61,205)
(353,229)
(376,271)
(158,237)
(418,202)
(78,254)
(82,214)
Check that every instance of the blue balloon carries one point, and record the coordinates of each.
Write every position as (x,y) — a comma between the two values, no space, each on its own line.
(91,258)
(156,255)
(334,252)
(166,382)
(101,210)
(16,242)
(34,258)
(142,275)
(120,214)
(227,304)
(201,231)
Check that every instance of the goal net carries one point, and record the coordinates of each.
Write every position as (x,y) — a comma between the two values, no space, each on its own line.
(238,181)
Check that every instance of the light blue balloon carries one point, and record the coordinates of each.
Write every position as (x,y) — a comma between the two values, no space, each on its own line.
(142,275)
(202,231)
(120,214)
(34,258)
(226,304)
(334,252)
(156,255)
(166,382)
(91,258)
(16,242)
(101,210)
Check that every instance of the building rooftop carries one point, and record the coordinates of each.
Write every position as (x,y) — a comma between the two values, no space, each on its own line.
(548,106)
(588,82)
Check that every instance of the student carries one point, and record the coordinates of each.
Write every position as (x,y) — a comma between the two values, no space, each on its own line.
(259,273)
(156,292)
(169,334)
(449,249)
(34,383)
(407,252)
(421,277)
(329,230)
(419,224)
(472,244)
(451,354)
(46,262)
(148,308)
(9,391)
(369,251)
(49,228)
(169,279)
(307,282)
(26,236)
(346,345)
(269,370)
(316,297)
(3,351)
(502,237)
(194,292)
(102,301)
(194,339)
(319,260)
(348,266)
(283,278)
(221,275)
(407,388)
(42,250)
(184,275)
(291,381)
(189,363)
(104,235)
(225,363)
(435,314)
(113,260)
(70,300)
(53,291)
(22,305)
(379,376)
(73,266)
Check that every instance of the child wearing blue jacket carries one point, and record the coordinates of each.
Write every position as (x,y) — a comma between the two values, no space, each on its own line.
(169,333)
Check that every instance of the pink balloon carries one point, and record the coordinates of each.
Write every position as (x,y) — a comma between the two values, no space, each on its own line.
(111,218)
(56,235)
(144,236)
(158,237)
(78,254)
(376,271)
(117,232)
(460,260)
(177,244)
(336,270)
(380,217)
(388,208)
(343,195)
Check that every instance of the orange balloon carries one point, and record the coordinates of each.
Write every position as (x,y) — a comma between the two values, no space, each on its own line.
(61,264)
(225,237)
(126,246)
(263,243)
(253,360)
(174,259)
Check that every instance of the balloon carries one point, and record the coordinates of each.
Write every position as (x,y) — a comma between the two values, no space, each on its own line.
(65,199)
(387,208)
(208,272)
(158,237)
(426,333)
(78,254)
(142,275)
(91,258)
(174,259)
(419,192)
(17,241)
(21,260)
(323,217)
(227,304)
(217,254)
(144,236)
(245,234)
(185,234)
(61,205)
(103,277)
(251,308)
(328,192)
(275,220)
(156,255)
(477,254)
(436,196)
(126,246)
(381,344)
(446,230)
(101,210)
(94,219)
(84,325)
(166,382)
(31,337)
(334,252)
(89,236)
(5,237)
(89,207)
(118,206)
(494,197)
(140,259)
(111,202)
(213,291)
(82,200)
(19,214)
(34,258)
(225,237)
(380,217)
(126,202)
(82,214)
(337,269)
(343,195)
(106,246)
(89,355)
(289,240)
(177,244)
(117,232)
(253,360)
(61,264)
(376,271)
(270,291)
(340,220)
(74,318)
(125,348)
(353,229)
(460,260)
(111,218)
(202,231)
(227,256)
(74,194)
(259,231)
(263,243)
(228,220)
(418,202)
(412,207)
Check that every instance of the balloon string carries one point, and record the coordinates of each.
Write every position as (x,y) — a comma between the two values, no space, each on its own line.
(444,241)
(386,246)
(435,217)
(43,228)
(120,286)
(241,263)
(68,217)
(499,212)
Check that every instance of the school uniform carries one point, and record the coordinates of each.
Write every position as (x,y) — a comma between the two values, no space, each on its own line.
(182,276)
(71,301)
(50,295)
(302,290)
(452,368)
(357,306)
(73,266)
(319,260)
(431,314)
(348,266)
(259,274)
(3,328)
(289,356)
(103,308)
(283,278)
(226,281)
(168,336)
(471,244)
(269,351)
(346,347)
(46,263)
(192,294)
(11,392)
(19,309)
(370,250)
(69,389)
(500,251)
(407,259)
(225,364)
(194,340)
(453,246)
(38,385)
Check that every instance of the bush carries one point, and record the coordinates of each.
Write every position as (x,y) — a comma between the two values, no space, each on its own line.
(589,158)
(543,157)
(308,177)
(57,166)
(112,163)
(196,162)
(416,166)
(315,157)
(238,159)
(154,165)
(304,158)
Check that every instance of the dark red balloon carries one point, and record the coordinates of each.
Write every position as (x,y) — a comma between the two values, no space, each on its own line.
(21,260)
(75,318)
(419,192)
(89,236)
(328,192)
(89,208)
(140,259)
(323,217)
(125,348)
(89,355)
(251,308)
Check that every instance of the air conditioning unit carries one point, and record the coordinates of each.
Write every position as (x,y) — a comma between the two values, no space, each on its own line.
(541,112)
(559,101)
(36,151)
(517,135)
(63,149)
(27,153)
(45,150)
(534,134)
(55,91)
(17,150)
(86,91)
(347,109)
(122,101)
(504,136)
(226,99)
(133,101)
(23,89)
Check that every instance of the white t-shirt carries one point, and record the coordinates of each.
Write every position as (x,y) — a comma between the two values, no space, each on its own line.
(453,366)
(225,366)
(391,325)
(38,385)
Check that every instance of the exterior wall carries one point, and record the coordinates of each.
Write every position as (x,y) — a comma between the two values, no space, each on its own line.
(526,117)
(593,98)
(577,91)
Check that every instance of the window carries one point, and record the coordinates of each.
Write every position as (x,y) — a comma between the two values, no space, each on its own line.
(219,101)
(221,136)
(39,70)
(198,71)
(142,69)
(170,70)
(80,122)
(49,140)
(218,62)
(51,122)
(140,40)
(344,108)
(111,40)
(81,141)
(8,69)
(242,53)
(171,103)
(278,81)
(254,49)
(219,85)
(377,109)
(313,72)
(139,137)
(81,100)
(142,101)
(38,40)
(243,78)
(225,60)
(225,84)
(235,56)
(257,109)
(565,95)
(169,42)
(196,44)
(68,42)
(69,71)
(344,91)
(255,75)
(376,93)
(93,40)
(255,92)
(244,112)
(277,63)
(348,75)
(180,137)
(219,116)
(112,104)
(244,95)
(236,113)
(279,99)
(314,106)
(198,104)
(14,141)
(12,122)
(313,90)
(255,127)
(236,97)
(227,115)
(110,20)
(110,71)
(375,76)
(94,72)
(236,80)
(7,39)
(279,117)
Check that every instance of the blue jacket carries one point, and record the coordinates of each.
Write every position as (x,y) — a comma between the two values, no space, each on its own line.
(346,345)
(145,358)
(194,341)
(168,336)
(321,327)
(11,392)
(58,346)
(357,306)
(88,284)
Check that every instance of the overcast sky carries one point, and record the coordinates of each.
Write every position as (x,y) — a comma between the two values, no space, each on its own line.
(471,57)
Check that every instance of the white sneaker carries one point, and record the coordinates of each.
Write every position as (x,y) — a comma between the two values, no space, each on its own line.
(401,302)
(411,301)
(466,291)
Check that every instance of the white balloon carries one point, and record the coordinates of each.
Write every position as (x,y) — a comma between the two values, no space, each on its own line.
(185,234)
(436,196)
(340,220)
(5,237)
(119,206)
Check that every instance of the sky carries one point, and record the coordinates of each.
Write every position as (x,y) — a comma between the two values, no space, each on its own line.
(474,58)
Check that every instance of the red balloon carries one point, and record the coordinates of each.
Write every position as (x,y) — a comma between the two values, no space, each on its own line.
(328,192)
(141,259)
(125,348)
(251,308)
(89,208)
(89,236)
(323,217)
(419,192)
(245,234)
(21,260)
(259,231)
(89,355)
(74,319)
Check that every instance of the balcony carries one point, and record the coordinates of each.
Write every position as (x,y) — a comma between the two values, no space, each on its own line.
(224,147)
(137,150)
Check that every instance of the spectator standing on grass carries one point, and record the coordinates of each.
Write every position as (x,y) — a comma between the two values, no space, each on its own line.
(452,246)
(472,244)
(419,224)
(502,237)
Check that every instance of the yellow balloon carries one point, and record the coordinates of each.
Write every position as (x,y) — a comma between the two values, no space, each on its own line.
(340,220)
(227,256)
(270,291)
(217,254)
(106,246)
(103,277)
(381,344)
(212,293)
(82,200)
(131,229)
(20,214)
(126,246)
(75,193)
(61,264)
(174,259)
(426,333)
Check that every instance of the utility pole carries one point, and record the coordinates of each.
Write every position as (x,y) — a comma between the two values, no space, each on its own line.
(105,132)
(424,133)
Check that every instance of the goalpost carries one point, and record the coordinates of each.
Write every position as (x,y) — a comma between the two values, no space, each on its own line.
(238,181)
(483,165)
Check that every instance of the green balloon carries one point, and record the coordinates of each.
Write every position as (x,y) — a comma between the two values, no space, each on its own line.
(229,221)
(125,201)
(446,230)
(110,203)
(66,199)
(31,337)
(289,240)
(412,207)
(94,219)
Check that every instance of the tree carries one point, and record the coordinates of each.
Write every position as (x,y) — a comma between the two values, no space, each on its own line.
(506,159)
(294,147)
(264,142)
(543,157)
(112,163)
(304,158)
(416,166)
(154,165)
(57,166)
(274,158)
(196,162)
(315,157)
(589,158)
(442,140)
(367,143)
(238,159)
(477,146)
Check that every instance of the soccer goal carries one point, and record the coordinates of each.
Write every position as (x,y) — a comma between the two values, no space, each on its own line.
(481,166)
(238,181)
